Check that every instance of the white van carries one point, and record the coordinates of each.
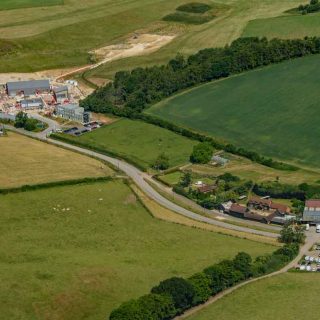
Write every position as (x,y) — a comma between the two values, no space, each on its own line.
(307,227)
(318,228)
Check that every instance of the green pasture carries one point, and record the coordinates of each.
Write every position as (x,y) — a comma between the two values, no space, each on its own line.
(285,27)
(61,36)
(274,110)
(139,142)
(289,296)
(17,4)
(77,252)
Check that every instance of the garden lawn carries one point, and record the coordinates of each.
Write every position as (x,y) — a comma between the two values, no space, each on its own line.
(285,27)
(289,296)
(29,161)
(77,252)
(138,142)
(273,110)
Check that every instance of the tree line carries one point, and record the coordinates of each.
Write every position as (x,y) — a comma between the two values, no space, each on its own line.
(173,296)
(132,92)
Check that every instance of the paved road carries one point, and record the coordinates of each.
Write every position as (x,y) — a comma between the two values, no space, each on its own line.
(139,179)
(312,238)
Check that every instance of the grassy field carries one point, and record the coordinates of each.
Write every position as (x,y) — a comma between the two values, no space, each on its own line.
(273,111)
(289,296)
(61,36)
(139,142)
(285,27)
(27,161)
(77,252)
(232,17)
(249,170)
(17,4)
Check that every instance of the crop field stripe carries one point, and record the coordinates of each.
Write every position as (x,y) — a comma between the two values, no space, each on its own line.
(19,4)
(264,110)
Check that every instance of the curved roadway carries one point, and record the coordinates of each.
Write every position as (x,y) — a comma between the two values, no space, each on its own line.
(139,178)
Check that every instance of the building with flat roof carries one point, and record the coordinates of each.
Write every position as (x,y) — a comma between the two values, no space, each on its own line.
(27,88)
(311,213)
(73,112)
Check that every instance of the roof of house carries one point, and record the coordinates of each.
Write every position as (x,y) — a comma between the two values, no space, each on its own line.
(32,84)
(237,208)
(259,217)
(313,203)
(256,200)
(207,188)
(280,207)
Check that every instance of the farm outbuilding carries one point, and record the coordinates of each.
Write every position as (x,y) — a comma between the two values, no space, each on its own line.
(61,94)
(311,213)
(27,88)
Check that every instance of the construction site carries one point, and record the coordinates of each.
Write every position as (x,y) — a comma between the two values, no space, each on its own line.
(50,98)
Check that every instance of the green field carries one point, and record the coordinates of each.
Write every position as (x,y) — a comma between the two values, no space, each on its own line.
(289,296)
(273,111)
(139,142)
(17,4)
(285,27)
(77,252)
(62,35)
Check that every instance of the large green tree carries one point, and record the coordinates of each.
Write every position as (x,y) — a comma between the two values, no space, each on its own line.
(202,153)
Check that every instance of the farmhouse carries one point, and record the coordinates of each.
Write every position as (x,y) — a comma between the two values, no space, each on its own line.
(73,112)
(262,210)
(311,213)
(207,188)
(27,88)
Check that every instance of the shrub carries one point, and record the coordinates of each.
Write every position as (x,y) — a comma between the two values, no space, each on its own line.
(151,306)
(242,262)
(179,289)
(202,153)
(201,285)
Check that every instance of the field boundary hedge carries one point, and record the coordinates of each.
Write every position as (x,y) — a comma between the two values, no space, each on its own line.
(173,296)
(48,185)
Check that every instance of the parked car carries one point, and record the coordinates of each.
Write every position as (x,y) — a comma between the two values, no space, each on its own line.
(302,267)
(308,268)
(307,258)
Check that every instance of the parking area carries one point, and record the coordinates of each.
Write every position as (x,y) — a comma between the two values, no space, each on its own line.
(80,130)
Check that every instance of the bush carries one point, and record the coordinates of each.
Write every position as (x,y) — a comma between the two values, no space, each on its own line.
(242,262)
(180,290)
(201,285)
(202,153)
(151,306)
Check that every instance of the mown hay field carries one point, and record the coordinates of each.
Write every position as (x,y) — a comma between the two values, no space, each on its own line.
(273,110)
(289,296)
(77,252)
(28,161)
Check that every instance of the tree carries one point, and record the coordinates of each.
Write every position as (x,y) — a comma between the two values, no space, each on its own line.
(21,119)
(202,153)
(186,180)
(242,262)
(162,162)
(292,233)
(181,291)
(201,285)
(30,124)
